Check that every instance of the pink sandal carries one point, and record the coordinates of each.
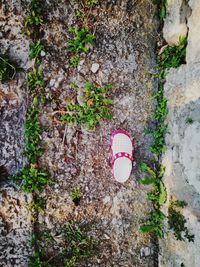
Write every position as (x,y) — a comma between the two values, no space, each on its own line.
(122,149)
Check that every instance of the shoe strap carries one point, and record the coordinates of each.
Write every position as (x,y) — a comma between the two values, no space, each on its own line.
(121,155)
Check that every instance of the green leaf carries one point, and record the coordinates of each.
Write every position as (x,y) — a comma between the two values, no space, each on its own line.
(162,12)
(160,233)
(147,181)
(180,203)
(147,229)
(145,168)
(162,194)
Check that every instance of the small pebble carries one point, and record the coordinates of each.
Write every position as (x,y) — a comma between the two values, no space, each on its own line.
(145,252)
(52,82)
(42,53)
(95,67)
(81,62)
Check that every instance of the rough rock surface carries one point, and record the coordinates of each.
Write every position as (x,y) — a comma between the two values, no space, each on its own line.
(182,158)
(175,25)
(15,227)
(126,39)
(12,116)
(83,159)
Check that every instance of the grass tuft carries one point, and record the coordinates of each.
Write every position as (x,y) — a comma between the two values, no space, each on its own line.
(7,69)
(77,246)
(91,3)
(35,18)
(76,195)
(35,81)
(35,50)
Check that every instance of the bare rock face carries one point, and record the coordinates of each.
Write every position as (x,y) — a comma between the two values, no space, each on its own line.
(12,97)
(15,219)
(12,38)
(182,158)
(175,22)
(15,227)
(12,116)
(193,52)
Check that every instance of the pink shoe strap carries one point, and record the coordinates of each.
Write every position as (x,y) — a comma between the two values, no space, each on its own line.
(121,155)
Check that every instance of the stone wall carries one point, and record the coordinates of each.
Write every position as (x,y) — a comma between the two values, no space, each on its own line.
(182,159)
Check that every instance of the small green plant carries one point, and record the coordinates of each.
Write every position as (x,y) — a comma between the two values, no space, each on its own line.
(36,49)
(78,245)
(33,132)
(36,206)
(41,242)
(7,69)
(154,224)
(35,17)
(79,14)
(96,107)
(33,179)
(33,20)
(157,196)
(48,238)
(172,57)
(35,260)
(79,44)
(74,61)
(162,7)
(73,86)
(38,258)
(91,3)
(35,81)
(177,221)
(189,121)
(76,195)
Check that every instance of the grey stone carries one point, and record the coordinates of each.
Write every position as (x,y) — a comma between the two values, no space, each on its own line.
(182,161)
(145,252)
(175,22)
(42,53)
(95,67)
